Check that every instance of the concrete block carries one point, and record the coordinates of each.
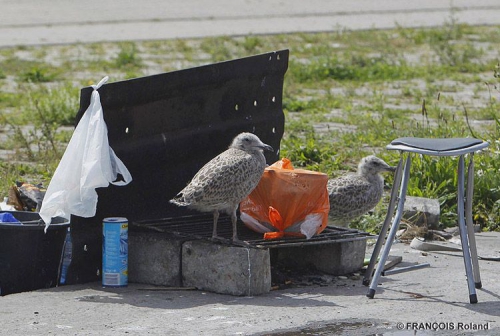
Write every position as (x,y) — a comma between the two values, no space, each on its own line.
(422,211)
(336,258)
(155,259)
(226,269)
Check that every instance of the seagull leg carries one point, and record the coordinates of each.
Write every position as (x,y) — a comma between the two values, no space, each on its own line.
(236,241)
(216,218)
(233,220)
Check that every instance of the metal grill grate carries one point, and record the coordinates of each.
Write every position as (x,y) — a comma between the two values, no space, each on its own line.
(200,227)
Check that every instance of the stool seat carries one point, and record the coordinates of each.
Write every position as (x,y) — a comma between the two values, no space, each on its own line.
(438,146)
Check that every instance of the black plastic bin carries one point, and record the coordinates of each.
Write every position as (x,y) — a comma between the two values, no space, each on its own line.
(29,257)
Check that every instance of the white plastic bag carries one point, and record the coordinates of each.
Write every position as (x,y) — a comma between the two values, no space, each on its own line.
(88,163)
(308,227)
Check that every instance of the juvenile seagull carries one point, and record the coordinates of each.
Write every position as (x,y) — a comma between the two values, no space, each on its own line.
(226,180)
(354,194)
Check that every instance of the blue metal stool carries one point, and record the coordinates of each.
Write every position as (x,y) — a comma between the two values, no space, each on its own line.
(437,147)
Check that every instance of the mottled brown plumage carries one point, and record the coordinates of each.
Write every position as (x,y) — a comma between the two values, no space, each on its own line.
(354,194)
(222,183)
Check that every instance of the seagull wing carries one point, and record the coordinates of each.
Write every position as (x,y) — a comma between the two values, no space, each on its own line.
(224,181)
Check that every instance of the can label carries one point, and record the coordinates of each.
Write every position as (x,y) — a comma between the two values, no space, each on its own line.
(115,252)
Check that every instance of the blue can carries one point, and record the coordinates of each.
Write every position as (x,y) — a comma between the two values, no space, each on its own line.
(115,252)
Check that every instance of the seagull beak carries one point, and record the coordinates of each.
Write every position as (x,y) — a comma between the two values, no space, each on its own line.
(391,169)
(267,147)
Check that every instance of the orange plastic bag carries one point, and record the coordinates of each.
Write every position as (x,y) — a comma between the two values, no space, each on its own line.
(287,202)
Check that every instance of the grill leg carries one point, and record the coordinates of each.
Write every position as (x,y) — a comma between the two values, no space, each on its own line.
(393,231)
(469,223)
(464,233)
(387,222)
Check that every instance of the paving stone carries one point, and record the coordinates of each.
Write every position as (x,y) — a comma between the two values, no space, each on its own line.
(226,269)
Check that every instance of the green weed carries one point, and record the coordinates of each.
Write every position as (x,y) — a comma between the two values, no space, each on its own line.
(251,44)
(128,57)
(218,48)
(38,75)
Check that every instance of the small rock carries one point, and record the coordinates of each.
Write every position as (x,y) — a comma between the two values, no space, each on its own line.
(422,211)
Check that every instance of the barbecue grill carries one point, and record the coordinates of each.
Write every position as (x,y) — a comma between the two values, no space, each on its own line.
(200,227)
(165,128)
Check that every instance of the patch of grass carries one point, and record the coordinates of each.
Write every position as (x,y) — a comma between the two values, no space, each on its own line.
(36,135)
(38,75)
(373,82)
(356,67)
(251,44)
(8,99)
(128,57)
(219,48)
(313,105)
(10,65)
(10,172)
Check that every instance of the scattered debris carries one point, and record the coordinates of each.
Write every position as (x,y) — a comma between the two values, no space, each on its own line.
(405,269)
(440,235)
(489,258)
(392,261)
(411,231)
(26,196)
(283,277)
(158,289)
(423,212)
(414,295)
(421,245)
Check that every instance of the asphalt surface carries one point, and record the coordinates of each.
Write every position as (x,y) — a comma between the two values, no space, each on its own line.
(31,22)
(427,301)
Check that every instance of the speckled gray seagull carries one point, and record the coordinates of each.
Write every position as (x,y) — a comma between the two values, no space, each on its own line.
(354,194)
(227,179)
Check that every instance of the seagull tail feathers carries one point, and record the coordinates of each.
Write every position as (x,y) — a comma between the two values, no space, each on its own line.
(179,200)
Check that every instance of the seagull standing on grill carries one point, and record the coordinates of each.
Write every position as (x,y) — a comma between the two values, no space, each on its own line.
(354,194)
(222,183)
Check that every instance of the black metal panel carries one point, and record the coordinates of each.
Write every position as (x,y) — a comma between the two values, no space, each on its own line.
(166,127)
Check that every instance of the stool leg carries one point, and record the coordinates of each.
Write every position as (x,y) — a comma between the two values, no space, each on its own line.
(463,231)
(394,229)
(387,222)
(469,222)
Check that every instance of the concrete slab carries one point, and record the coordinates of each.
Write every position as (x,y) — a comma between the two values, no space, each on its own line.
(428,301)
(167,260)
(336,259)
(155,259)
(226,269)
